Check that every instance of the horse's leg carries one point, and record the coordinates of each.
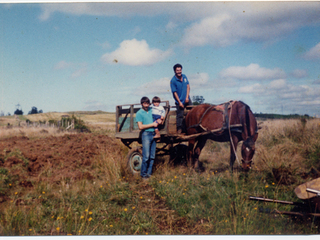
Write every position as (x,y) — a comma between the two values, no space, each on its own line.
(233,149)
(201,142)
(190,152)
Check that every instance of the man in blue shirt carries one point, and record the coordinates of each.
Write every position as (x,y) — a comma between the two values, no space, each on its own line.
(146,125)
(180,89)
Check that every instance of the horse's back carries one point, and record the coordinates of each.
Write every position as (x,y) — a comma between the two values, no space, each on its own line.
(203,116)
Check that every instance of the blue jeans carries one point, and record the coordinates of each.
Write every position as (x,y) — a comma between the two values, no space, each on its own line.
(148,153)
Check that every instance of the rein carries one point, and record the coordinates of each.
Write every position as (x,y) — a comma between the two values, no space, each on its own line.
(231,141)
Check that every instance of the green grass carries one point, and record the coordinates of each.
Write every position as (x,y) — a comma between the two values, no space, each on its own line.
(212,204)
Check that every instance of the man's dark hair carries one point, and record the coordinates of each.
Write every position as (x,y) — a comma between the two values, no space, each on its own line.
(156,99)
(144,100)
(178,65)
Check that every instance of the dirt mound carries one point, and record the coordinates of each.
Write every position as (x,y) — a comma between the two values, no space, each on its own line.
(54,158)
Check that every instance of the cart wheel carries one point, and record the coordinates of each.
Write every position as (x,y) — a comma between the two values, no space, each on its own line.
(134,160)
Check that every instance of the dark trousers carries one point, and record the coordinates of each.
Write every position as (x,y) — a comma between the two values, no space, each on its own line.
(180,116)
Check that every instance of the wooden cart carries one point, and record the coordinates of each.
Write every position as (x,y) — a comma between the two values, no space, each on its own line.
(170,143)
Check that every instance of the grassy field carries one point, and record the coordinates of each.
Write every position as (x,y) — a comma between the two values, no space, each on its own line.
(176,200)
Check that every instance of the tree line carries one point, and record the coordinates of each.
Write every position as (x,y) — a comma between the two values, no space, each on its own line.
(34,110)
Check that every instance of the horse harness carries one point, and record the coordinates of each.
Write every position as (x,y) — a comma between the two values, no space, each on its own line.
(222,108)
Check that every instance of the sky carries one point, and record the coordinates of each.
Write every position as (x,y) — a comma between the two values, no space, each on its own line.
(86,56)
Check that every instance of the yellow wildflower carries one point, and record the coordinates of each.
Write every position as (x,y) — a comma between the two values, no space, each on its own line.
(89,219)
(82,217)
(58,229)
(90,213)
(125,209)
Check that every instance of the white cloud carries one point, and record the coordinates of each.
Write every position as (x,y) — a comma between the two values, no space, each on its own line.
(209,31)
(313,53)
(78,69)
(251,72)
(104,45)
(199,80)
(280,90)
(299,73)
(63,65)
(171,25)
(135,53)
(255,88)
(156,87)
(212,23)
(255,22)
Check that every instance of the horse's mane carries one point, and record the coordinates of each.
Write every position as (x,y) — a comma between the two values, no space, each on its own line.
(246,121)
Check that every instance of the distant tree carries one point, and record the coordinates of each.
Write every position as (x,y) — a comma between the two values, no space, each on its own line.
(9,114)
(34,110)
(197,100)
(18,112)
(40,111)
(1,114)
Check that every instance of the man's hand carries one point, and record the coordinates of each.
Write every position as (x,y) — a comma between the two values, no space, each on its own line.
(155,124)
(187,100)
(181,105)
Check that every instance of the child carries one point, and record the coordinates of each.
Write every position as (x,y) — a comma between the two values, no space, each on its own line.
(158,113)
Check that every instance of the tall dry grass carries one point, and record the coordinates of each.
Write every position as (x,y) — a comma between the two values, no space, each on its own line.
(31,132)
(287,143)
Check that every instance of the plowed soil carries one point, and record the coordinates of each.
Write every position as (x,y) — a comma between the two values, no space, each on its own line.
(60,157)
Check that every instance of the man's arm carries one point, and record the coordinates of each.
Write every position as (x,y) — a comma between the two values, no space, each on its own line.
(146,126)
(188,92)
(175,94)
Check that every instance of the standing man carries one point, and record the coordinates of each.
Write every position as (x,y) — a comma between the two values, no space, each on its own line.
(146,125)
(180,89)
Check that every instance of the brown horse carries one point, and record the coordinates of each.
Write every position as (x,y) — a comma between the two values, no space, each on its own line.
(229,122)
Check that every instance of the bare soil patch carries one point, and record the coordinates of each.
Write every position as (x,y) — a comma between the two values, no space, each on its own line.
(63,157)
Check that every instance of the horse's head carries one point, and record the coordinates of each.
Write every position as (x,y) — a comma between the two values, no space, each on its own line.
(247,152)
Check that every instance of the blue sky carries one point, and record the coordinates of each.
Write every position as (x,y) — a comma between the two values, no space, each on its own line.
(93,56)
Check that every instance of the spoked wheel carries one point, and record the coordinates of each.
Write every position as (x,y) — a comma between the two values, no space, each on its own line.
(134,160)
